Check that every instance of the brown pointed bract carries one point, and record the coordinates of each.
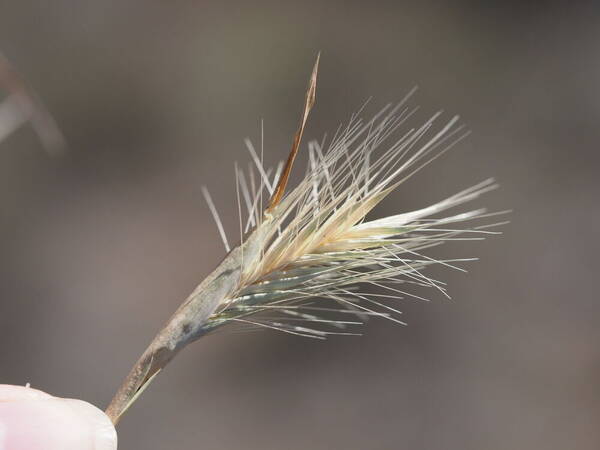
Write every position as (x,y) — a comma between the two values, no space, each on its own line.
(308,104)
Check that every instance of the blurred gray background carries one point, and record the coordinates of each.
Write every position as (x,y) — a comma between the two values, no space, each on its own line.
(97,248)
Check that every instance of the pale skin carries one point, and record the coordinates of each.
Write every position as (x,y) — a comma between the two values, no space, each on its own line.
(31,419)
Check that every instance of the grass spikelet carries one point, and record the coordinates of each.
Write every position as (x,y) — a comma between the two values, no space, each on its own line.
(301,262)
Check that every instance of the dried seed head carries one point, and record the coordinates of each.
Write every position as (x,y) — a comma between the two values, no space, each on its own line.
(307,255)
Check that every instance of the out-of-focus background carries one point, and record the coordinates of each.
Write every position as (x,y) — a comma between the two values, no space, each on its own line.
(97,248)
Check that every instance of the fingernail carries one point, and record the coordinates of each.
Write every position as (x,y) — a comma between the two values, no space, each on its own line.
(105,435)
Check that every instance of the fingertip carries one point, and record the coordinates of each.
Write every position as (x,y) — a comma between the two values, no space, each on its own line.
(36,420)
